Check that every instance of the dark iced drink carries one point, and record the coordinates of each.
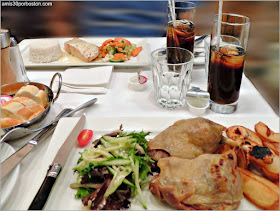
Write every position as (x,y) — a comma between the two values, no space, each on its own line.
(225,73)
(181,35)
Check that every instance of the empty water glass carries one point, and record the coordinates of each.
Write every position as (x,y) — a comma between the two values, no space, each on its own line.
(171,80)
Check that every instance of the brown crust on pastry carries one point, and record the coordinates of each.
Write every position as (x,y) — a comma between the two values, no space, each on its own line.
(210,181)
(187,138)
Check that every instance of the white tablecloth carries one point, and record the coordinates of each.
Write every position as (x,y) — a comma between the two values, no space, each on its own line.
(120,101)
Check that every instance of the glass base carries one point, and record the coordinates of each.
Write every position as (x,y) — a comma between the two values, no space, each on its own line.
(170,104)
(223,108)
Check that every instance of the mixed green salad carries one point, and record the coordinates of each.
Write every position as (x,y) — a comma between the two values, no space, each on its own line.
(113,171)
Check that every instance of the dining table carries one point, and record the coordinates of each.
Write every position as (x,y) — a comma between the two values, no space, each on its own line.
(122,104)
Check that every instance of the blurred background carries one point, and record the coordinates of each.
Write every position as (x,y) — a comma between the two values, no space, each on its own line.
(148,18)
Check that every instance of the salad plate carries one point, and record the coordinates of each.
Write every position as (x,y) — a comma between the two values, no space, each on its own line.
(62,197)
(9,182)
(142,59)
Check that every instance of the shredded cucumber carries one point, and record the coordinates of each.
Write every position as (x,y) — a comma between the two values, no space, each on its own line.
(123,155)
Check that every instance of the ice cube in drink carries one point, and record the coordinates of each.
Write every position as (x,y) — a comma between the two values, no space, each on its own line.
(181,35)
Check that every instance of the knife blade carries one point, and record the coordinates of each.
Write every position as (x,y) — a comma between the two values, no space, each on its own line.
(12,161)
(199,40)
(15,158)
(56,166)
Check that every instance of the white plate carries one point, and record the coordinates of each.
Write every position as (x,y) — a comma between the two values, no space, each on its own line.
(142,59)
(9,182)
(62,196)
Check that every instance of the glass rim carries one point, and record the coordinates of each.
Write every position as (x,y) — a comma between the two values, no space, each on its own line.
(166,63)
(215,19)
(191,6)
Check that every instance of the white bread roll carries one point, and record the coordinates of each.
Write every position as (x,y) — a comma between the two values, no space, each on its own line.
(27,102)
(10,110)
(9,122)
(30,104)
(19,110)
(33,92)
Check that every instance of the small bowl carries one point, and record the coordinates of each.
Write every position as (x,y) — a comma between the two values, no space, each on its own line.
(134,84)
(198,106)
(12,88)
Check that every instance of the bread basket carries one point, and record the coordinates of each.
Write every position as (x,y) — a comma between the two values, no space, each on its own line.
(12,88)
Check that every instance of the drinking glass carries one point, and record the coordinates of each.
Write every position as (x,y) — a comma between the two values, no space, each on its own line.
(206,50)
(171,80)
(226,61)
(181,30)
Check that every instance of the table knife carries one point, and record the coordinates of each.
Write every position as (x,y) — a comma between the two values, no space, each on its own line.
(200,39)
(15,158)
(55,168)
(11,162)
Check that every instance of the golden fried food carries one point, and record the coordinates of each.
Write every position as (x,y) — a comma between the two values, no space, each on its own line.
(259,190)
(243,134)
(186,139)
(273,146)
(269,138)
(210,181)
(271,170)
(266,134)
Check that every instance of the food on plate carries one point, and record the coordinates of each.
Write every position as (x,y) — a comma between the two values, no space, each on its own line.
(261,157)
(113,170)
(136,51)
(276,183)
(269,170)
(243,134)
(82,49)
(44,51)
(209,181)
(119,49)
(273,146)
(264,154)
(259,165)
(259,190)
(269,138)
(19,110)
(266,134)
(249,153)
(118,57)
(187,138)
(195,166)
(34,93)
(111,50)
(84,137)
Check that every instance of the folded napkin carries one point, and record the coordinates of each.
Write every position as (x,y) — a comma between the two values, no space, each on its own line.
(86,80)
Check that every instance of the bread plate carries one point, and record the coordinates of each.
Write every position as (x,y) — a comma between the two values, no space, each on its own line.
(12,89)
(143,59)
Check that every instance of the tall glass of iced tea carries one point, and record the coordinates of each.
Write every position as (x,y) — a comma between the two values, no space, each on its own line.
(226,61)
(181,28)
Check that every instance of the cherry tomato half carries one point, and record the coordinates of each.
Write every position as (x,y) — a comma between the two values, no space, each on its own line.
(84,137)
